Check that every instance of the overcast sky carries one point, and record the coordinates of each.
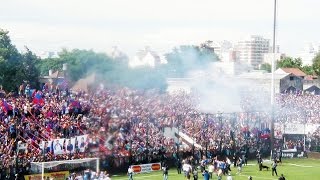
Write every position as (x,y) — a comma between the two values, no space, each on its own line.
(49,25)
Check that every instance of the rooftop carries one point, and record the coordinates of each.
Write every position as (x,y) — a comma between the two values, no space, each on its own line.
(261,75)
(294,71)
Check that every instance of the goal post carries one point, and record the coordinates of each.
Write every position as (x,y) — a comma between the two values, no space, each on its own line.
(51,164)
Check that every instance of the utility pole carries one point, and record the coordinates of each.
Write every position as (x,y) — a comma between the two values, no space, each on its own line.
(272,74)
(17,147)
(178,127)
(219,115)
(130,150)
(147,139)
(206,135)
(234,119)
(193,138)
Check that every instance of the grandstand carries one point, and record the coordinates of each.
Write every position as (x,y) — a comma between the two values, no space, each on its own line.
(51,131)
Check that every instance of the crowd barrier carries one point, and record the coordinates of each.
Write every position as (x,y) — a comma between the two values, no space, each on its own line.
(146,168)
(62,175)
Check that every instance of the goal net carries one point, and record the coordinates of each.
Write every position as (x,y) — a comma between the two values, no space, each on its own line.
(40,167)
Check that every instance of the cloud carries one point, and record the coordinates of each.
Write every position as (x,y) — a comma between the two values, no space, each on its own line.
(131,25)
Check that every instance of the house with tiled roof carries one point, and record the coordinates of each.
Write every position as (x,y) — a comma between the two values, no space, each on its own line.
(310,82)
(294,71)
(284,82)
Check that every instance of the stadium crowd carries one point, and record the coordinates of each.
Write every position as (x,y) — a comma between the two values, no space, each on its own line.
(124,122)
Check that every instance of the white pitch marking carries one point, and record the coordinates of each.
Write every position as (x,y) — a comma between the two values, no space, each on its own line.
(257,177)
(300,165)
(141,177)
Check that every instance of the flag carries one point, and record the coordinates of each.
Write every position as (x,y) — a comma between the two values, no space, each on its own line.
(75,104)
(37,99)
(5,106)
(34,92)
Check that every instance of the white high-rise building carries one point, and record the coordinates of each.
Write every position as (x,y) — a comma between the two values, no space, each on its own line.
(268,57)
(309,52)
(252,50)
(225,51)
(222,48)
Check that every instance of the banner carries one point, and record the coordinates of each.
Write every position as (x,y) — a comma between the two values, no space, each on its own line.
(62,175)
(65,146)
(70,145)
(145,168)
(46,146)
(290,128)
(93,144)
(83,142)
(291,153)
(294,128)
(58,146)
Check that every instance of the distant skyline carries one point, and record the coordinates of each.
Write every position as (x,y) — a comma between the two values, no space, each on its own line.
(46,25)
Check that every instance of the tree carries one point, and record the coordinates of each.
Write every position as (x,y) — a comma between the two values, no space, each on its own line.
(80,63)
(289,62)
(30,72)
(16,67)
(10,63)
(186,58)
(308,70)
(113,71)
(44,65)
(316,64)
(266,66)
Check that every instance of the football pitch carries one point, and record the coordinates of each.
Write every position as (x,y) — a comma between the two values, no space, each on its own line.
(293,169)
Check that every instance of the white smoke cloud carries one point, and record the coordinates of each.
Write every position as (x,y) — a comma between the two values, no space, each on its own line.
(219,92)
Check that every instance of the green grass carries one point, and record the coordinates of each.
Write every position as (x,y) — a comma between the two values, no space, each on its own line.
(293,169)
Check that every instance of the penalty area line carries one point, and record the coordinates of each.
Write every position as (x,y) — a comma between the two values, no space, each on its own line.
(300,165)
(256,177)
(140,177)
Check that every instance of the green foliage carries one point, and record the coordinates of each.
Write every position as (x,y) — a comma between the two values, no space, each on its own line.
(49,63)
(15,67)
(316,64)
(308,70)
(289,62)
(20,67)
(266,66)
(116,71)
(80,63)
(8,64)
(111,71)
(30,72)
